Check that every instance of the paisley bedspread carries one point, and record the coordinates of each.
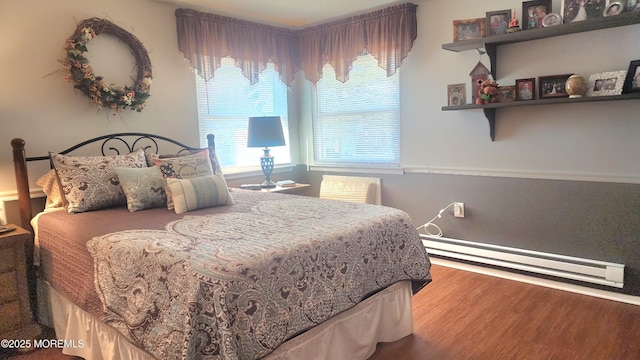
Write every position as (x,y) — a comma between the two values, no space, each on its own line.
(235,285)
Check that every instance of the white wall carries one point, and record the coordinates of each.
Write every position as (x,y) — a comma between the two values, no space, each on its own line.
(45,110)
(589,141)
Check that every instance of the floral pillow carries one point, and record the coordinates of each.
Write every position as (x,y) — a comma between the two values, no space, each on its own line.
(183,167)
(143,187)
(199,193)
(215,164)
(90,182)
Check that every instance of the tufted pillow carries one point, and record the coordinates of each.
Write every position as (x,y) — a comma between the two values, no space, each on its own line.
(51,188)
(199,192)
(90,183)
(183,167)
(143,187)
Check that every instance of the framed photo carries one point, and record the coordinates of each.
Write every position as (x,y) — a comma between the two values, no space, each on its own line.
(552,86)
(526,89)
(632,81)
(533,12)
(606,83)
(468,29)
(632,5)
(457,94)
(506,93)
(578,10)
(551,20)
(614,8)
(498,22)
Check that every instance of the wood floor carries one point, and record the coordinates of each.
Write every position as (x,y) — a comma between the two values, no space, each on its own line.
(464,315)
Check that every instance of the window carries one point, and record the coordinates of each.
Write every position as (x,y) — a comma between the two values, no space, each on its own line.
(225,104)
(357,123)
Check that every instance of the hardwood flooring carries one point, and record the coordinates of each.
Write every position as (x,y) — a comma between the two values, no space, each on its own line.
(464,315)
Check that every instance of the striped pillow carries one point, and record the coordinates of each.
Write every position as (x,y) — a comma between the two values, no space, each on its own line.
(198,193)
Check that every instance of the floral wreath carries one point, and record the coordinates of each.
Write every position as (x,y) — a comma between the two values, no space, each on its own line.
(79,72)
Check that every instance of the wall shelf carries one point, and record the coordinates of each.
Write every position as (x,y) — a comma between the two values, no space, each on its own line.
(491,43)
(490,109)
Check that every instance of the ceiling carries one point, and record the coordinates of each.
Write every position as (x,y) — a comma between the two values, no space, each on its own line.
(290,13)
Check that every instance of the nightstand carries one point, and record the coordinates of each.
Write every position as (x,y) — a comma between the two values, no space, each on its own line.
(16,320)
(297,189)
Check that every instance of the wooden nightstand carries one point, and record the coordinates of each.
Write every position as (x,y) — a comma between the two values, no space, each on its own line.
(16,320)
(297,189)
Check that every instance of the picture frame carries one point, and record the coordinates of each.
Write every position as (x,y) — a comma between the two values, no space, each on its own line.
(613,8)
(526,89)
(606,83)
(551,20)
(457,94)
(497,22)
(552,86)
(533,12)
(469,29)
(578,10)
(632,80)
(506,93)
(632,5)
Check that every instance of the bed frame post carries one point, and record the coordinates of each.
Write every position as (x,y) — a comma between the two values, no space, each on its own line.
(22,183)
(211,143)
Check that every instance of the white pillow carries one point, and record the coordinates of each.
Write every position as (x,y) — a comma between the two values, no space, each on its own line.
(199,192)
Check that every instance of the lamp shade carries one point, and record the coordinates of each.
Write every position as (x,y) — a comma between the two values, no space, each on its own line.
(265,131)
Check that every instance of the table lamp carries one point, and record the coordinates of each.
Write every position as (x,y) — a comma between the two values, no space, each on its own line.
(265,131)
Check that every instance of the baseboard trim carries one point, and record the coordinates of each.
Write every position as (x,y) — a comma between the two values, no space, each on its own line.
(603,294)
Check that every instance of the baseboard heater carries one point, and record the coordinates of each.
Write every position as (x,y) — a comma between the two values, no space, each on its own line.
(593,271)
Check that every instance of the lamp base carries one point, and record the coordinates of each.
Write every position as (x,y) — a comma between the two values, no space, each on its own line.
(266,163)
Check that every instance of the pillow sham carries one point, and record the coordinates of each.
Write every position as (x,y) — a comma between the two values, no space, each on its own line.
(90,183)
(215,164)
(199,193)
(51,188)
(143,187)
(183,167)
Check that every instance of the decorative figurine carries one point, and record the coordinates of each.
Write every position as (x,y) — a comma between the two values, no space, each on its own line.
(513,23)
(488,92)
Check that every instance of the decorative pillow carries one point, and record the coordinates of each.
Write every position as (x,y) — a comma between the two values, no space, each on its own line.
(90,183)
(215,164)
(51,188)
(199,192)
(184,167)
(143,187)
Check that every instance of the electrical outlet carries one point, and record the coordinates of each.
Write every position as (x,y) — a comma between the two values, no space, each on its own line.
(458,209)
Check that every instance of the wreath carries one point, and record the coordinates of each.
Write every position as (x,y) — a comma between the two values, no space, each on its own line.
(81,74)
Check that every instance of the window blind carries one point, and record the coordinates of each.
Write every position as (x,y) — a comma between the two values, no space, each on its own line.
(225,104)
(357,123)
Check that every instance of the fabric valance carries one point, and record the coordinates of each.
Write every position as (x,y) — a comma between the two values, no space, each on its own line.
(388,34)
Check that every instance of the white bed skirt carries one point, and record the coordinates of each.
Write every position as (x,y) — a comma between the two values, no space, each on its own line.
(352,334)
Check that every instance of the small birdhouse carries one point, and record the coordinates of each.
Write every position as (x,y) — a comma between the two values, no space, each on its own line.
(478,74)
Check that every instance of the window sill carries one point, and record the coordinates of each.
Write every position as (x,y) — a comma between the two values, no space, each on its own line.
(361,170)
(252,172)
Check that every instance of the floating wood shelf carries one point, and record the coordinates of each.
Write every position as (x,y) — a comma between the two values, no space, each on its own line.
(490,109)
(491,43)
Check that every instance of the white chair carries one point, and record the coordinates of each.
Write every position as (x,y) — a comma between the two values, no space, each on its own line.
(356,189)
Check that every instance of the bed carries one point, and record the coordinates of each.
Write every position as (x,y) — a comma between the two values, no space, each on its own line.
(219,274)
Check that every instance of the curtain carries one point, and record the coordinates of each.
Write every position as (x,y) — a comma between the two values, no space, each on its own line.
(205,39)
(387,34)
